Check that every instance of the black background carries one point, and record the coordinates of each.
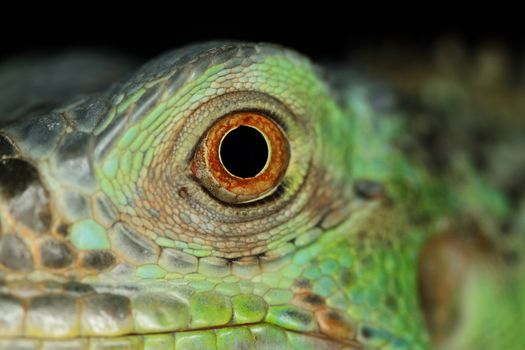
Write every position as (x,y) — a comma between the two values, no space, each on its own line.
(317,29)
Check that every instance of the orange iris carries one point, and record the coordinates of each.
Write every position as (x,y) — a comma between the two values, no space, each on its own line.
(228,185)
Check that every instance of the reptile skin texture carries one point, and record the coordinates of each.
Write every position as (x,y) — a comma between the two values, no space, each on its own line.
(381,220)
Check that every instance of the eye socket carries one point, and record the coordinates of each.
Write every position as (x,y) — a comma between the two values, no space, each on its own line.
(242,157)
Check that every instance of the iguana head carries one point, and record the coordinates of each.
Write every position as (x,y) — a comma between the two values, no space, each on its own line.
(218,198)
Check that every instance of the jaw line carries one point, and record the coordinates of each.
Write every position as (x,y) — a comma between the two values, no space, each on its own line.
(321,338)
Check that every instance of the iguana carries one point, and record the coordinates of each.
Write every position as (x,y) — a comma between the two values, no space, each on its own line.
(233,195)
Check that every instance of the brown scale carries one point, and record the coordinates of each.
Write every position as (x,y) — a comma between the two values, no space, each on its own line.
(332,322)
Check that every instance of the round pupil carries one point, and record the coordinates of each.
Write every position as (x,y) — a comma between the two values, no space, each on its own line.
(244,151)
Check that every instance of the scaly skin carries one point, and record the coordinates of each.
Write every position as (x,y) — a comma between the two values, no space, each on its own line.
(108,241)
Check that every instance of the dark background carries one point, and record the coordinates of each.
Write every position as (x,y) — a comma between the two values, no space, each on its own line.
(317,29)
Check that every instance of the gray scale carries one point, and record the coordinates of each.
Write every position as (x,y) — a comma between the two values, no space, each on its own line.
(15,254)
(52,315)
(71,163)
(73,206)
(37,137)
(56,254)
(134,247)
(106,314)
(98,260)
(88,114)
(173,260)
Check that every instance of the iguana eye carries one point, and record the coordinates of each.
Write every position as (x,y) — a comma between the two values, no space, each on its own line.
(222,157)
(242,157)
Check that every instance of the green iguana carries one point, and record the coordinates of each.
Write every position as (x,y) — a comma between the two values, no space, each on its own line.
(224,196)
